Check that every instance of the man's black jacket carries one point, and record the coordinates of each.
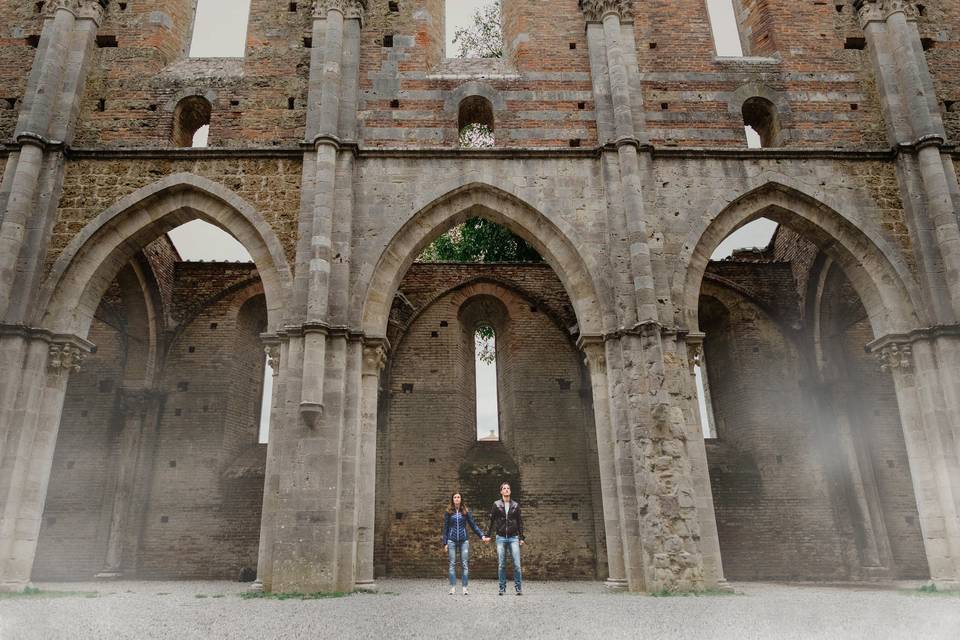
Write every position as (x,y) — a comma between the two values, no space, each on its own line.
(506,524)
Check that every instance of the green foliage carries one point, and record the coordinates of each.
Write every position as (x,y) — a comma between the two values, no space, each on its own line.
(485,344)
(479,240)
(484,38)
(476,136)
(667,593)
(35,593)
(294,595)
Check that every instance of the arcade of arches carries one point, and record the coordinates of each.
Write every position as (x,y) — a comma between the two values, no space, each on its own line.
(131,379)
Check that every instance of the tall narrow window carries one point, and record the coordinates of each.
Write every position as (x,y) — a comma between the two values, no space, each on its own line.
(474,29)
(488,419)
(703,400)
(266,401)
(220,29)
(726,29)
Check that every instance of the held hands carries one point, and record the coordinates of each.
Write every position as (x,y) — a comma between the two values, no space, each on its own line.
(486,539)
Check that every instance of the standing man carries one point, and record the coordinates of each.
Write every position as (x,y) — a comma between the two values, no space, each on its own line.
(507,523)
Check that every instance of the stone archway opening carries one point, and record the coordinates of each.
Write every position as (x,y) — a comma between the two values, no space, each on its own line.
(427,433)
(170,400)
(807,457)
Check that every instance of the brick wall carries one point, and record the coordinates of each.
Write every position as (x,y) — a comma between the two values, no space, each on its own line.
(200,478)
(430,429)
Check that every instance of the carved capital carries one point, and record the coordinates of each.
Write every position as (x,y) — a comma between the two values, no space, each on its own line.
(374,359)
(896,357)
(879,10)
(65,357)
(597,10)
(351,9)
(273,357)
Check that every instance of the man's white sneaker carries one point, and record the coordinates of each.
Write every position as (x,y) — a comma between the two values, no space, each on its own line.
(465,592)
(453,590)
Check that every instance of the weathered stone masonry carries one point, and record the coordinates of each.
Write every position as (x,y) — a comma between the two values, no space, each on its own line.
(618,156)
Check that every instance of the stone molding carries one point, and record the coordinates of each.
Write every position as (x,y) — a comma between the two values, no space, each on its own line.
(594,352)
(351,9)
(66,352)
(597,10)
(895,352)
(879,10)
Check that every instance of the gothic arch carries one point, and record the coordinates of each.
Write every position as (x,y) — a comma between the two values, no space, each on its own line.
(481,200)
(86,267)
(877,271)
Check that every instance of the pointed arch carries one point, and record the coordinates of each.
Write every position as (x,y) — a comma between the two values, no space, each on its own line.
(84,270)
(877,271)
(547,236)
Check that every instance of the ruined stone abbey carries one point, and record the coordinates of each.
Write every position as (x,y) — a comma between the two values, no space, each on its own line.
(130,379)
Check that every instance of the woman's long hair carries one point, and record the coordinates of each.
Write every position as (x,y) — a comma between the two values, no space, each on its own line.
(464,509)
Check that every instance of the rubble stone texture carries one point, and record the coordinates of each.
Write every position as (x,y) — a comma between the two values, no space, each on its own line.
(130,380)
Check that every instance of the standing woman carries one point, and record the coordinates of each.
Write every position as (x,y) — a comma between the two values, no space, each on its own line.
(456,537)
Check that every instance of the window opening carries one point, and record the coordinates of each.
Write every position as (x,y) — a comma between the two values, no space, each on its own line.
(475,123)
(753,235)
(266,401)
(220,29)
(760,115)
(485,358)
(704,402)
(198,240)
(473,29)
(191,122)
(725,27)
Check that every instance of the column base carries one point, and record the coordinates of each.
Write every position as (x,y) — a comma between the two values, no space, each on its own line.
(367,585)
(945,585)
(616,584)
(108,574)
(14,586)
(256,586)
(723,586)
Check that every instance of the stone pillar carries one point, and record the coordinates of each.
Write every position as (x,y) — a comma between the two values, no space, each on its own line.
(50,105)
(272,349)
(606,452)
(374,360)
(35,378)
(137,406)
(926,373)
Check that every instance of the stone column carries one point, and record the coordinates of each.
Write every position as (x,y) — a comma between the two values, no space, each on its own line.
(137,405)
(926,373)
(374,361)
(49,109)
(606,452)
(272,349)
(30,426)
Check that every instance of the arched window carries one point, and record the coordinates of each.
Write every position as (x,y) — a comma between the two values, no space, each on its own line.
(760,117)
(220,29)
(475,123)
(191,122)
(485,361)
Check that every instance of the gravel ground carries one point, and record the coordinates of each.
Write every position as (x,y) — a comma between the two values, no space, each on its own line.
(422,609)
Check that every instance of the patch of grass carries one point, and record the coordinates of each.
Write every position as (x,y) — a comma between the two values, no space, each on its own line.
(666,593)
(199,595)
(931,590)
(294,595)
(35,593)
(219,595)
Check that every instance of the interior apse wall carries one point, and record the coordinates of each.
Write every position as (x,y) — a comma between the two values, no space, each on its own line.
(428,430)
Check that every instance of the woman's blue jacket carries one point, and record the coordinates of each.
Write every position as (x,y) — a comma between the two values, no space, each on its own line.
(455,526)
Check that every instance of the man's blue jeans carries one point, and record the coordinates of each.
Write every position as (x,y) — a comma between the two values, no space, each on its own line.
(464,548)
(514,543)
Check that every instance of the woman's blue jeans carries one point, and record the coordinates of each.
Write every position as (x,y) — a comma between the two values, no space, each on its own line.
(514,543)
(464,548)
